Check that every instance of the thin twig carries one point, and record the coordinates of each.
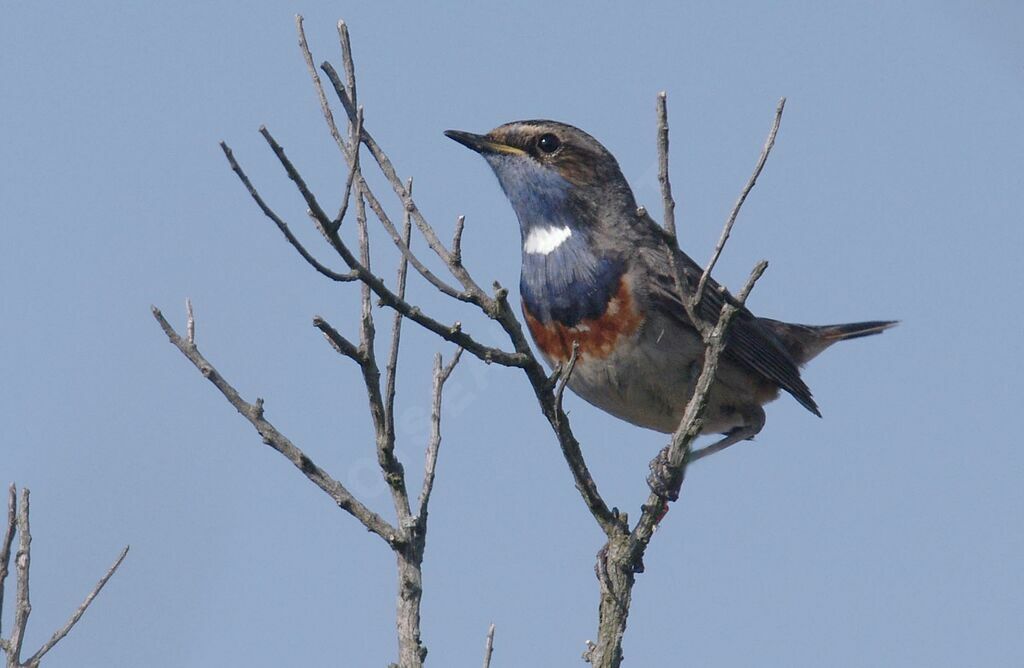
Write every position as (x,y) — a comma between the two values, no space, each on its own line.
(351,149)
(5,546)
(314,206)
(391,368)
(190,322)
(353,172)
(452,333)
(421,269)
(551,405)
(390,467)
(755,274)
(623,554)
(367,333)
(496,307)
(22,563)
(564,377)
(663,180)
(409,543)
(388,169)
(441,374)
(460,224)
(351,153)
(324,106)
(281,225)
(489,647)
(340,344)
(347,62)
(275,439)
(325,224)
(691,425)
(59,634)
(727,229)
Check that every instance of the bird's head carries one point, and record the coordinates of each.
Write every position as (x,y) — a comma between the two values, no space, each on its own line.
(552,173)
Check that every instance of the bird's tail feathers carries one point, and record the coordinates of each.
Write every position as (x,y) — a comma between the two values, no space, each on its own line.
(854,330)
(805,342)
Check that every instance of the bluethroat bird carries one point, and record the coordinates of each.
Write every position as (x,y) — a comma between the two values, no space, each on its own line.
(596,272)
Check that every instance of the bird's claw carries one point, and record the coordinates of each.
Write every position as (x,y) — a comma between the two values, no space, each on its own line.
(663,480)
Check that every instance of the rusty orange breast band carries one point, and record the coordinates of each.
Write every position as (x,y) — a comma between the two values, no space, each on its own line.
(597,337)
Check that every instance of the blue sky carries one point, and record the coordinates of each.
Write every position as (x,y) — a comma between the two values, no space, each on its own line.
(887,533)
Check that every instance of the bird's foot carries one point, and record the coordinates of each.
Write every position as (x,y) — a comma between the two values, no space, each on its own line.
(663,480)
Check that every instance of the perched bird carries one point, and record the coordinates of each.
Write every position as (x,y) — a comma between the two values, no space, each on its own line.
(597,271)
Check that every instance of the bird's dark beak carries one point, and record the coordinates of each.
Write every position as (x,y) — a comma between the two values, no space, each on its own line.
(481,143)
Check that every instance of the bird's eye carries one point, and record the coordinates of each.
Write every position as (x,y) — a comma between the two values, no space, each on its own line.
(548,143)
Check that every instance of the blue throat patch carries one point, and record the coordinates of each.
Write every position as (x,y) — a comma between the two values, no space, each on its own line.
(571,283)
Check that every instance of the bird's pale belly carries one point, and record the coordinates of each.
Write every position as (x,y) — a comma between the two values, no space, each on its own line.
(644,372)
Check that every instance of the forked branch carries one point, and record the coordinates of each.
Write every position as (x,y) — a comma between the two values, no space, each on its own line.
(18,522)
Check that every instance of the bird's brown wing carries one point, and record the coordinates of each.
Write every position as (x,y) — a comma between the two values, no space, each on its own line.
(748,342)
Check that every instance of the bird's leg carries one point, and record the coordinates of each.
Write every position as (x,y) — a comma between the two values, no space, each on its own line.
(731,438)
(753,423)
(664,484)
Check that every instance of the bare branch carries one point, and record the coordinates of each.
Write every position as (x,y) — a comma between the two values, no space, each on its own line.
(564,376)
(691,425)
(460,224)
(391,368)
(389,172)
(622,556)
(441,374)
(351,149)
(351,153)
(727,229)
(755,274)
(489,647)
(367,333)
(409,543)
(33,660)
(552,407)
(666,185)
(407,253)
(5,546)
(347,62)
(324,106)
(353,172)
(391,468)
(18,519)
(281,225)
(314,206)
(190,322)
(452,333)
(275,439)
(342,345)
(22,562)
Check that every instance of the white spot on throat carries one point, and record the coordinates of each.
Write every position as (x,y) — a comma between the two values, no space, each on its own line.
(543,240)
